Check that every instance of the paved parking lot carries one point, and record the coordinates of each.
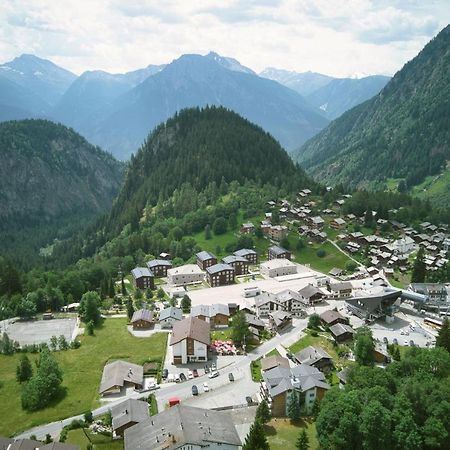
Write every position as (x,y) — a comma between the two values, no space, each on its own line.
(36,332)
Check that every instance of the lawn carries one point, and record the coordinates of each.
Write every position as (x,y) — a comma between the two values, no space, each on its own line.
(221,334)
(255,368)
(78,437)
(273,352)
(82,373)
(308,255)
(282,434)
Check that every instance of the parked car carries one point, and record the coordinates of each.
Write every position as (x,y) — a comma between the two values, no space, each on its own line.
(411,343)
(165,374)
(231,376)
(290,356)
(195,373)
(213,366)
(249,400)
(177,377)
(213,374)
(405,343)
(183,377)
(190,374)
(205,387)
(206,369)
(385,340)
(194,390)
(394,341)
(171,377)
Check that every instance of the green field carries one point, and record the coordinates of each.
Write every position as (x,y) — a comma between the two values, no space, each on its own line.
(82,373)
(221,334)
(282,434)
(99,441)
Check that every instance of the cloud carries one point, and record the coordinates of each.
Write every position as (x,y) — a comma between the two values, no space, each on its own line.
(371,36)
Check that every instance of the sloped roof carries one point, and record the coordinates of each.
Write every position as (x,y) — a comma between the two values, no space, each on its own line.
(204,256)
(309,290)
(274,361)
(331,315)
(173,312)
(193,328)
(142,314)
(234,258)
(286,295)
(182,425)
(159,262)
(130,410)
(277,250)
(139,272)
(117,372)
(218,268)
(311,355)
(339,329)
(244,251)
(210,310)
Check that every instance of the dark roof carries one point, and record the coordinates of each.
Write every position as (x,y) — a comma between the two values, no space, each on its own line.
(338,329)
(25,444)
(193,328)
(277,250)
(182,425)
(142,314)
(159,262)
(233,258)
(309,290)
(139,272)
(341,286)
(204,256)
(130,410)
(254,321)
(311,355)
(279,317)
(331,316)
(218,268)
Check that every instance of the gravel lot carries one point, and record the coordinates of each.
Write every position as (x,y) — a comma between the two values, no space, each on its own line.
(36,332)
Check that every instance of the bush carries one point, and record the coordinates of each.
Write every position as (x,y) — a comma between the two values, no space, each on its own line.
(220,226)
(350,266)
(314,333)
(88,417)
(314,321)
(321,253)
(75,344)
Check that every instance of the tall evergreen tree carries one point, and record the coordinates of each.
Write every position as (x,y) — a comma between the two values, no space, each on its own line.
(208,233)
(302,441)
(443,337)
(263,412)
(419,271)
(24,369)
(130,308)
(293,406)
(256,438)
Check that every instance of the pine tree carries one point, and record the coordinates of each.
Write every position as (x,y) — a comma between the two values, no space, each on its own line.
(443,337)
(256,438)
(24,369)
(208,233)
(112,290)
(293,406)
(124,289)
(130,308)
(302,441)
(419,271)
(263,412)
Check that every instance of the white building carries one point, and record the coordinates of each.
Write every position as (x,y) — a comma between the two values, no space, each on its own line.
(278,267)
(168,316)
(187,274)
(404,245)
(190,340)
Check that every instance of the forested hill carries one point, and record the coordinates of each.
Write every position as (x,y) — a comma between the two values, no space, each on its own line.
(201,146)
(48,171)
(402,133)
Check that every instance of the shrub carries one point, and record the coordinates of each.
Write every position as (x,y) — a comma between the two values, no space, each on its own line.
(321,253)
(88,417)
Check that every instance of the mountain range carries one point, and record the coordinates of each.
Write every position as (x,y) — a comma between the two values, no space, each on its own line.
(117,111)
(333,96)
(401,134)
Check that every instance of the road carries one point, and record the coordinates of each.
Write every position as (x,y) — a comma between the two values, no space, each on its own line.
(233,392)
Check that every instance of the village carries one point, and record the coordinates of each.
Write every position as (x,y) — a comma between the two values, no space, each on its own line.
(209,378)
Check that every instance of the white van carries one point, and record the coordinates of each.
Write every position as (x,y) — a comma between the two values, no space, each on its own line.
(252,291)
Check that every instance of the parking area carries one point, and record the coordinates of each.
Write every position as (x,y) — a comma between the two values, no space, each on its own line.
(39,331)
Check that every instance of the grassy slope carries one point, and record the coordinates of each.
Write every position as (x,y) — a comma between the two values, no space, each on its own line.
(82,373)
(78,437)
(282,434)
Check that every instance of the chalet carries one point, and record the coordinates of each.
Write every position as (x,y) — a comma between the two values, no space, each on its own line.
(280,320)
(254,322)
(278,383)
(335,272)
(435,292)
(292,302)
(276,252)
(143,278)
(339,203)
(168,316)
(128,413)
(342,332)
(278,232)
(278,267)
(184,427)
(190,340)
(311,294)
(317,235)
(142,319)
(220,275)
(248,254)
(317,222)
(315,357)
(164,255)
(381,354)
(205,260)
(216,315)
(341,289)
(247,228)
(338,223)
(265,227)
(238,263)
(266,303)
(159,267)
(332,317)
(269,362)
(183,275)
(119,375)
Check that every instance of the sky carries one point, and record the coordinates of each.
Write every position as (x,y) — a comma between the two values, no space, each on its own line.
(336,37)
